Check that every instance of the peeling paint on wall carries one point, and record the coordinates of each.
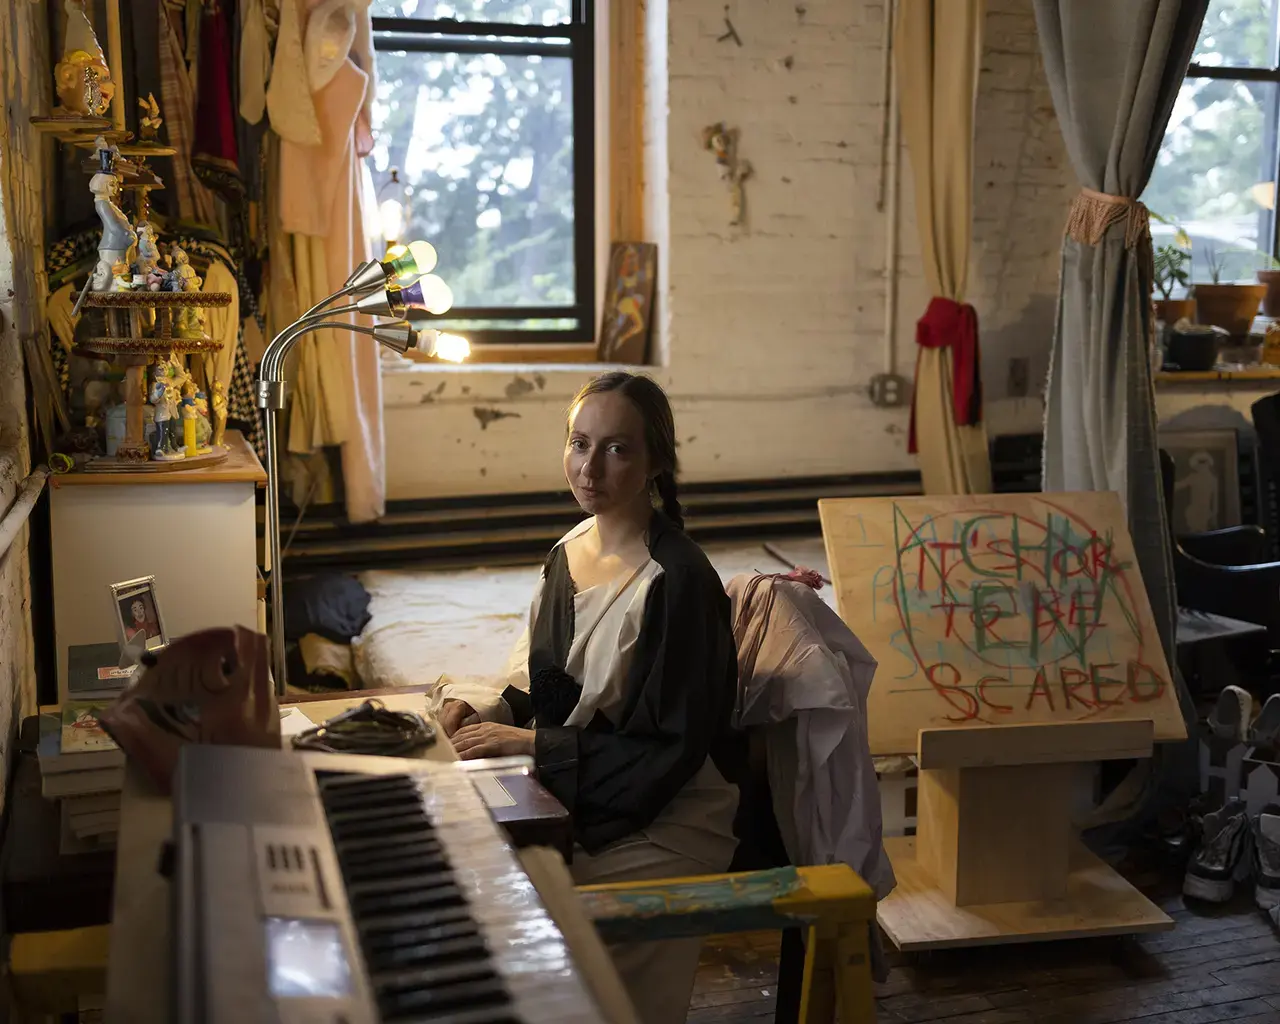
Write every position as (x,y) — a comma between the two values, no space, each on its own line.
(487,415)
(519,386)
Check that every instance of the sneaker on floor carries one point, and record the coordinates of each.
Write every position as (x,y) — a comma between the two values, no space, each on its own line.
(1212,873)
(1229,719)
(1266,835)
(1265,732)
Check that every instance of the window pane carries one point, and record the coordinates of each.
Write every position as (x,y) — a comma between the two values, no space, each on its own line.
(1216,173)
(1238,33)
(514,12)
(484,145)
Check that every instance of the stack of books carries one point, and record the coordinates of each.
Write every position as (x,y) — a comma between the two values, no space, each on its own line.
(81,767)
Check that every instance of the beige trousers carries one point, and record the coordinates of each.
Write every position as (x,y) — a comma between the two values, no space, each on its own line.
(658,975)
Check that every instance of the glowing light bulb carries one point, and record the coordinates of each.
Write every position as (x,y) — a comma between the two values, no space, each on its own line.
(395,251)
(437,297)
(391,214)
(452,348)
(419,259)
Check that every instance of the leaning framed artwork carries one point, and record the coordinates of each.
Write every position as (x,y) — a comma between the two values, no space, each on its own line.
(628,306)
(1206,479)
(137,613)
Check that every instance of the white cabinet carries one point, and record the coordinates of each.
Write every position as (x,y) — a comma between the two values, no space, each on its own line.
(194,530)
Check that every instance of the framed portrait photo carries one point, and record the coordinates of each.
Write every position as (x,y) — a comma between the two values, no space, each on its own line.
(1206,488)
(137,612)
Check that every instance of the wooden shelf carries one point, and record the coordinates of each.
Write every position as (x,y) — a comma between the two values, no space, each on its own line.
(1248,374)
(917,915)
(240,466)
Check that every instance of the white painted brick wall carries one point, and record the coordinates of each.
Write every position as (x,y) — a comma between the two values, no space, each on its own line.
(24,85)
(771,332)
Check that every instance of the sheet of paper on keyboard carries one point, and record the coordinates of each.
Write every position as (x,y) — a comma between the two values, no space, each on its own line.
(493,792)
(293,721)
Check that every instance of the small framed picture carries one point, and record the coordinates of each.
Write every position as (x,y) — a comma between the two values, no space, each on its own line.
(1206,489)
(138,612)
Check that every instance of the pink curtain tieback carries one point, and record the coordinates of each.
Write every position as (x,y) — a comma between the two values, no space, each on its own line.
(1093,212)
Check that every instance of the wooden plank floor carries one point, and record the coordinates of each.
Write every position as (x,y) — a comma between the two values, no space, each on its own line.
(1218,964)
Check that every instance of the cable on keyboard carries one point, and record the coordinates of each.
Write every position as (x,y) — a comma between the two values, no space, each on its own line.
(369,729)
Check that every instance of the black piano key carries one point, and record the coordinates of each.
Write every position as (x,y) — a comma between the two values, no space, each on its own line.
(438,917)
(384,826)
(404,883)
(441,896)
(481,1015)
(466,949)
(396,866)
(354,847)
(372,857)
(403,936)
(463,995)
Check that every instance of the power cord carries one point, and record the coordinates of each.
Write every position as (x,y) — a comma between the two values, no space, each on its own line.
(369,729)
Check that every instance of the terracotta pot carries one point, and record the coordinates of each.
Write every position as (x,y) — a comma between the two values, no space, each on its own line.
(1270,301)
(1173,310)
(1229,306)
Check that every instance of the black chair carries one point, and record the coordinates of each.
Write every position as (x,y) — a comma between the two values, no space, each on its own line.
(1266,424)
(1227,572)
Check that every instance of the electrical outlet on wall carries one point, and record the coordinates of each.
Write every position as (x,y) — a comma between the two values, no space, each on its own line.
(888,390)
(1019,384)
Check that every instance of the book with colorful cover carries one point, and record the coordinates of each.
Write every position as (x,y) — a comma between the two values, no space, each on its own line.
(82,731)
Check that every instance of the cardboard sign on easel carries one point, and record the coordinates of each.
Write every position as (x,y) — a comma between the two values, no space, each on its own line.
(1015,641)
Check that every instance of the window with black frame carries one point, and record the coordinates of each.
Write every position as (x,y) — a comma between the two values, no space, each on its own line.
(485,111)
(1215,176)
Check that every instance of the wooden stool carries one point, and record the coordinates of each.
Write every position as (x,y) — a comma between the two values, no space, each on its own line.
(837,908)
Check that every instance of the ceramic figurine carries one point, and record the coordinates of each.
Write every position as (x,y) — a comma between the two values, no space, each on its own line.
(165,395)
(118,238)
(150,121)
(82,78)
(187,411)
(219,413)
(121,279)
(183,277)
(723,144)
(148,253)
(204,429)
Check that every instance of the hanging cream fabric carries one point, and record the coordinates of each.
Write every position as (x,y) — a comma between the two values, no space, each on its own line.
(293,115)
(222,324)
(337,394)
(255,60)
(938,45)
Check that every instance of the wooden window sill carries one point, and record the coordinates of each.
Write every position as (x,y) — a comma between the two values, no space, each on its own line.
(486,355)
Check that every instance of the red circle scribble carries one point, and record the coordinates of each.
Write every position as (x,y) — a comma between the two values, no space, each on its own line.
(970,708)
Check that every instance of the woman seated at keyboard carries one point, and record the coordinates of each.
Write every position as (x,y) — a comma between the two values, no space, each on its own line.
(622,686)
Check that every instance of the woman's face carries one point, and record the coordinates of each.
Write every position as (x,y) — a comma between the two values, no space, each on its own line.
(139,611)
(606,461)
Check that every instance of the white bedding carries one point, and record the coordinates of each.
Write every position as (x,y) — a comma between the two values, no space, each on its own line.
(428,623)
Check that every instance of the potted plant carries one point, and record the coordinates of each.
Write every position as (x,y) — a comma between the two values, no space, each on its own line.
(1270,276)
(1172,269)
(1231,306)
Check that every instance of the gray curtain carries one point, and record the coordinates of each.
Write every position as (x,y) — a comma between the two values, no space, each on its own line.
(1114,70)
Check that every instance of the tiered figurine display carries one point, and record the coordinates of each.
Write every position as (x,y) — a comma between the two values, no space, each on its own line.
(143,305)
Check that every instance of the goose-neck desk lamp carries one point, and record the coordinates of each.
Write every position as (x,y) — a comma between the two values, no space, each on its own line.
(390,287)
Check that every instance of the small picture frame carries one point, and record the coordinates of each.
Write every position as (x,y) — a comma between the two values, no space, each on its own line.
(1206,490)
(137,610)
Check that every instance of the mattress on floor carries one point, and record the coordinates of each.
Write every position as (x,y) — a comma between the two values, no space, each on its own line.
(428,623)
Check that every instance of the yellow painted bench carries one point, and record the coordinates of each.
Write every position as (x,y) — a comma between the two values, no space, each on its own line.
(837,908)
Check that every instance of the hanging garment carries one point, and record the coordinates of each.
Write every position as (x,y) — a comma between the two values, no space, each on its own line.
(215,157)
(255,60)
(193,201)
(804,677)
(338,395)
(289,103)
(222,324)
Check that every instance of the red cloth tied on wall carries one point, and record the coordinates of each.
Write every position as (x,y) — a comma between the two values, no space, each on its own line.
(954,325)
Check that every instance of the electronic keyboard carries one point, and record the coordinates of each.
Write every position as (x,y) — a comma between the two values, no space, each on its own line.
(338,889)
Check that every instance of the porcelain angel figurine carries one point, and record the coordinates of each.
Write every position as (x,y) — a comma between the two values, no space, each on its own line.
(150,121)
(82,78)
(148,252)
(183,277)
